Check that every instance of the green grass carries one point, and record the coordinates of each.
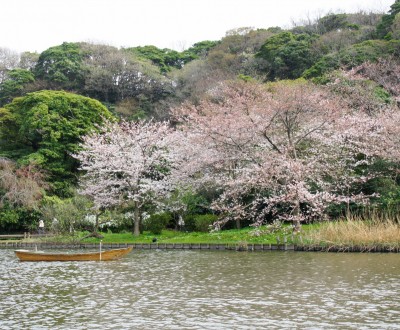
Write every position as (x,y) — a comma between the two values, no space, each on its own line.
(245,235)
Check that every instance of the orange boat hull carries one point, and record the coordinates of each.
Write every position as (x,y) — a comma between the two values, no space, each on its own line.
(25,255)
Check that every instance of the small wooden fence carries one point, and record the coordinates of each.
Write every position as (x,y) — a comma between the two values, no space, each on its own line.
(24,236)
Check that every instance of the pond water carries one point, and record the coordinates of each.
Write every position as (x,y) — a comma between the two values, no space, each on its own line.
(203,290)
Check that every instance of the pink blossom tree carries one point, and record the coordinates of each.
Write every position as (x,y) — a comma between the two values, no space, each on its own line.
(21,186)
(288,149)
(127,165)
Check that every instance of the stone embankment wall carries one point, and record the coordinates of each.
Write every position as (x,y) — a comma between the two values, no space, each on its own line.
(214,247)
(151,246)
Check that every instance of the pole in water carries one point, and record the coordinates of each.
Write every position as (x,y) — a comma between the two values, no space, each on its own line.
(100,250)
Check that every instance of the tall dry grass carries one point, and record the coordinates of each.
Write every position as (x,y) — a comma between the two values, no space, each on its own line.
(367,234)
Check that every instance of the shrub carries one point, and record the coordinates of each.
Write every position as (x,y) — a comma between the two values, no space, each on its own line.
(157,222)
(190,224)
(204,221)
(18,219)
(354,55)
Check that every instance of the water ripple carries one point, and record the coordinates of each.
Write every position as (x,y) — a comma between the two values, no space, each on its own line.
(203,290)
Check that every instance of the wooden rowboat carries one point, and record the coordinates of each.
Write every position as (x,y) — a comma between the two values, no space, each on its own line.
(26,255)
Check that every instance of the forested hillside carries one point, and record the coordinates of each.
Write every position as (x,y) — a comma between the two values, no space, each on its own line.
(298,124)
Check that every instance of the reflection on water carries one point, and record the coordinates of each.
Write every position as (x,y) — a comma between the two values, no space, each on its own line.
(203,290)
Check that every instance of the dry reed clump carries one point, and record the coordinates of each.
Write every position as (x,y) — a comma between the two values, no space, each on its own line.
(347,233)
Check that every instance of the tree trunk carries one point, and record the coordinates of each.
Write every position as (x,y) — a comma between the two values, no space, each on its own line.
(136,226)
(96,225)
(296,221)
(238,225)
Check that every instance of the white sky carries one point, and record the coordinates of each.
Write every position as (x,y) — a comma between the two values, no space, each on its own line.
(35,25)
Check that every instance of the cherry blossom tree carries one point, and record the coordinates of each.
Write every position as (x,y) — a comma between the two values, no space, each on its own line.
(287,150)
(128,165)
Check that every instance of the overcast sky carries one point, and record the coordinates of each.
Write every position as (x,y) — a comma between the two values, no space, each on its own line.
(35,25)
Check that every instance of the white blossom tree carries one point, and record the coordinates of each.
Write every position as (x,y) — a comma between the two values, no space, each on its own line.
(128,164)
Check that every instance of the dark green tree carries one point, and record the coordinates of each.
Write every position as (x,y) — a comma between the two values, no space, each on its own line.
(198,50)
(287,55)
(14,84)
(61,66)
(169,59)
(44,128)
(384,27)
(166,59)
(332,22)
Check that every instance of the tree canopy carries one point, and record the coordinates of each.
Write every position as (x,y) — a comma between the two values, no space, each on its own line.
(61,66)
(287,55)
(45,127)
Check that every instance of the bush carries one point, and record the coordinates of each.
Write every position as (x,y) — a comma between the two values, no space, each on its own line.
(17,220)
(190,224)
(157,222)
(204,221)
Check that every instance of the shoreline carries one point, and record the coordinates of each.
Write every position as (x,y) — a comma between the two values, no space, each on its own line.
(204,247)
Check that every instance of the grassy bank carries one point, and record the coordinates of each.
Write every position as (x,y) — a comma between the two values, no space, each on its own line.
(366,234)
(245,235)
